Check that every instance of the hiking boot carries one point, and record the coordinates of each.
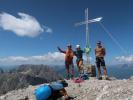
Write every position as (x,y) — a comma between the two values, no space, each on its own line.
(99,78)
(72,76)
(105,77)
(68,77)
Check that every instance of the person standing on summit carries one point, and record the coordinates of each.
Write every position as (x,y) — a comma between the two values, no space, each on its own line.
(69,54)
(100,62)
(79,54)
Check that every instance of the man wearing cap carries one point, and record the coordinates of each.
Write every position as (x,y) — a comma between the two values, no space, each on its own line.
(100,53)
(69,54)
(79,54)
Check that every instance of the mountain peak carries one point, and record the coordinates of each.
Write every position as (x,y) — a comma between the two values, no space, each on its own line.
(91,89)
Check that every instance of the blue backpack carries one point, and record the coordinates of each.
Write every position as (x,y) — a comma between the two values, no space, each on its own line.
(43,92)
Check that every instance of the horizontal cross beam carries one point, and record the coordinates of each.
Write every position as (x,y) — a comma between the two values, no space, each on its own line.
(89,21)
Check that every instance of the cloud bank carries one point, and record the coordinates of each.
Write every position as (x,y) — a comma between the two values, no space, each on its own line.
(54,58)
(26,25)
(124,59)
(51,58)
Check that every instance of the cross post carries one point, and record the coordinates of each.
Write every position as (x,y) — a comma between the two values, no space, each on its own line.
(87,22)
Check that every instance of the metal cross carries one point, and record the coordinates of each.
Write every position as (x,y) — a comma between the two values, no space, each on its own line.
(86,22)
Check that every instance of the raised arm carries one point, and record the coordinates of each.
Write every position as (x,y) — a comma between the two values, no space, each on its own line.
(104,51)
(62,51)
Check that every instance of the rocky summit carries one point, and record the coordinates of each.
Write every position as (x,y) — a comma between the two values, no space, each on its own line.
(91,89)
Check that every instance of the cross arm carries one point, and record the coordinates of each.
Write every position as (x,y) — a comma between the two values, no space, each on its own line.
(89,21)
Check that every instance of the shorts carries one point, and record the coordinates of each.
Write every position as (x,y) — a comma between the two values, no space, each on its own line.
(69,65)
(100,62)
(79,59)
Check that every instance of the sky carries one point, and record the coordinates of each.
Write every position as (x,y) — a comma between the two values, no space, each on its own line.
(31,30)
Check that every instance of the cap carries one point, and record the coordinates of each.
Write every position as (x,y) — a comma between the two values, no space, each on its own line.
(99,42)
(77,46)
(69,45)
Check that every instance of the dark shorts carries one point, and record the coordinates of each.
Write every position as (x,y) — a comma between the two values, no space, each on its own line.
(100,62)
(79,59)
(69,65)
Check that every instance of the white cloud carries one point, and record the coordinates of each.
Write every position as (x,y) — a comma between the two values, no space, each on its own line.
(51,58)
(54,58)
(26,25)
(124,59)
(47,29)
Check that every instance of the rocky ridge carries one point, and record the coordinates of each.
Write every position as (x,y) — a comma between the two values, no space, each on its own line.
(91,89)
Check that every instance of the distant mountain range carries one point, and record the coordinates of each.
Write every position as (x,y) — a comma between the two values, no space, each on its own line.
(126,66)
(1,70)
(120,71)
(26,75)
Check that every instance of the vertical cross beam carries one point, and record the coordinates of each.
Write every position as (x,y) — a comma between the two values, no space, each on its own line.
(87,22)
(87,34)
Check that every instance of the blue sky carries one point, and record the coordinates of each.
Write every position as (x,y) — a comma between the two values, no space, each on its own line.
(52,24)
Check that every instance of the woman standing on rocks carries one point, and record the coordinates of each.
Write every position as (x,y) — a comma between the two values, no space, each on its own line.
(79,54)
(69,54)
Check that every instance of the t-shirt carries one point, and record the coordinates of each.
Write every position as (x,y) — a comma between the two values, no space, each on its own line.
(68,55)
(79,54)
